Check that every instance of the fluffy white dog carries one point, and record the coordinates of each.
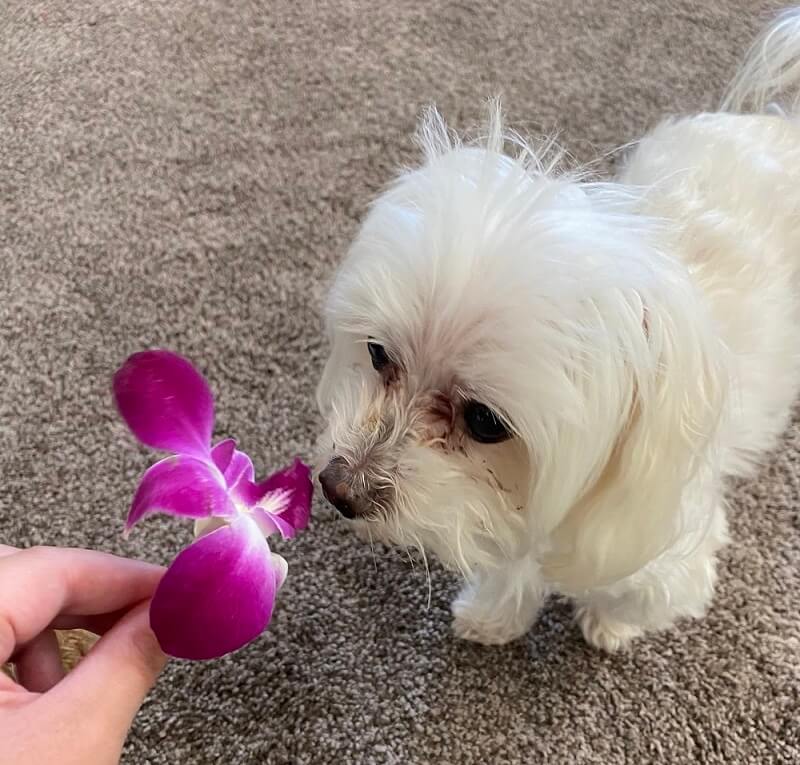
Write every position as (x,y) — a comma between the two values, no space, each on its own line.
(544,381)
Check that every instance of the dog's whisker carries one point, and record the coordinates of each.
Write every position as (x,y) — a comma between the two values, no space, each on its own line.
(372,549)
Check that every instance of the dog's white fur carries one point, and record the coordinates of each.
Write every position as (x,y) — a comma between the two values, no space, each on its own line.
(640,337)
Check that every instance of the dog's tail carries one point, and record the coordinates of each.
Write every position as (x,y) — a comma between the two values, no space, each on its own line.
(769,78)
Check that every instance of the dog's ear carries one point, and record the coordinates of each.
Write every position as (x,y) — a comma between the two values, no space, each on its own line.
(661,457)
(340,357)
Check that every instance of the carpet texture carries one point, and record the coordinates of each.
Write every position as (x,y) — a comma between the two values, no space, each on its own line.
(188,174)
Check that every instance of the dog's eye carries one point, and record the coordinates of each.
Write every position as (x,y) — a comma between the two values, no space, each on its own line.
(484,425)
(380,359)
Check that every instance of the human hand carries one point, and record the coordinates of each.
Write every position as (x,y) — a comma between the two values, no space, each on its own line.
(83,718)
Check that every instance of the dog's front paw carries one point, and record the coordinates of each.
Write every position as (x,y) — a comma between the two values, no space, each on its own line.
(605,633)
(471,623)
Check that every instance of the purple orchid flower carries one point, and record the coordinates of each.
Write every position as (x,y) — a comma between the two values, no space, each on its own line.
(219,592)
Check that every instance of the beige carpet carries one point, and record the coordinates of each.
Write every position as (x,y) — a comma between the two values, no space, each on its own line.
(187,174)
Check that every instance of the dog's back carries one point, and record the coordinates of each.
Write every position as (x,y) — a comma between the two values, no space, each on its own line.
(728,184)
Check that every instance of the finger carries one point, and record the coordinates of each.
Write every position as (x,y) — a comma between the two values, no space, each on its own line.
(120,669)
(38,584)
(7,550)
(38,665)
(97,623)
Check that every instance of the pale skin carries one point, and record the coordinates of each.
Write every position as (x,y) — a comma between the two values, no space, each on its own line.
(81,718)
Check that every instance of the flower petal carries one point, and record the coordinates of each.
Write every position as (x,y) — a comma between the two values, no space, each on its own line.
(222,453)
(180,486)
(236,466)
(281,568)
(270,523)
(203,526)
(238,471)
(217,595)
(286,494)
(166,402)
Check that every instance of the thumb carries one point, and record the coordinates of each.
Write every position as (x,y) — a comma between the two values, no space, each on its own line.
(115,676)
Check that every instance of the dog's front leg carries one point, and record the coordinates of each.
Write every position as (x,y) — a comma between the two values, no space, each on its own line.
(499,605)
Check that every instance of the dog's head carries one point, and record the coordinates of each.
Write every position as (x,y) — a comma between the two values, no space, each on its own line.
(514,366)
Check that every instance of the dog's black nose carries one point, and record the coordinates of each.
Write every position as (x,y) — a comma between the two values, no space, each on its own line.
(335,487)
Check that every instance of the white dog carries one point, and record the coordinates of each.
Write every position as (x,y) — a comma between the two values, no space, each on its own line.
(545,381)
